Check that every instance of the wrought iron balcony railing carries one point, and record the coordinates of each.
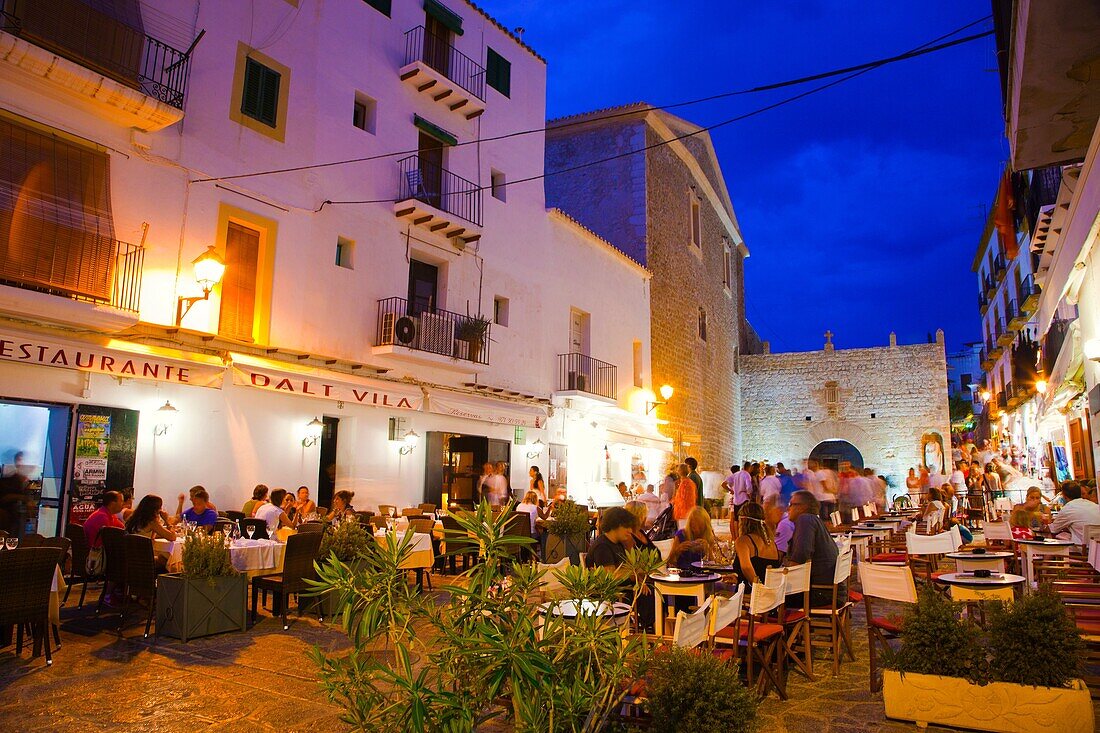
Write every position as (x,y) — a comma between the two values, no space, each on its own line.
(438,53)
(418,327)
(581,373)
(438,187)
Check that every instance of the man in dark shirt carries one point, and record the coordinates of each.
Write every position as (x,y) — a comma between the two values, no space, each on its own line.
(812,541)
(696,479)
(609,549)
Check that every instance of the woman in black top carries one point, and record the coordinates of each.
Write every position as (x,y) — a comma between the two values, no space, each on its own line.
(755,549)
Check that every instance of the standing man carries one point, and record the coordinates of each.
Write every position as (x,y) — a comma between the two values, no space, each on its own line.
(739,488)
(770,486)
(696,479)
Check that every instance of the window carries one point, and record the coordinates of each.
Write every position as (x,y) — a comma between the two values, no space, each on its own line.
(500,311)
(260,99)
(423,287)
(238,306)
(727,265)
(579,331)
(382,6)
(696,225)
(638,363)
(344,250)
(499,185)
(364,113)
(832,393)
(702,324)
(498,72)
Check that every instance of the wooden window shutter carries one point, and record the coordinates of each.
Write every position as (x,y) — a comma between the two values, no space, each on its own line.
(498,72)
(260,98)
(56,228)
(242,256)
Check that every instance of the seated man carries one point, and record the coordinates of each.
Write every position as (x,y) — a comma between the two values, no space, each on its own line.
(1076,516)
(812,541)
(201,512)
(104,516)
(617,527)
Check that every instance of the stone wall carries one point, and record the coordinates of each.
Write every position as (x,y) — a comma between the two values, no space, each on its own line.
(887,398)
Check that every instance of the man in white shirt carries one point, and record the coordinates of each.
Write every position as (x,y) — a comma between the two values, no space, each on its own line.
(653,505)
(739,486)
(770,485)
(1076,516)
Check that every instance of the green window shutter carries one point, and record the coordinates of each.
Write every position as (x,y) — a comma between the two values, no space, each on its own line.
(434,130)
(260,99)
(382,6)
(498,72)
(449,18)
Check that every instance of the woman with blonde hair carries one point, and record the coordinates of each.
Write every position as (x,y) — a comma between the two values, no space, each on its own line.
(639,510)
(755,550)
(694,542)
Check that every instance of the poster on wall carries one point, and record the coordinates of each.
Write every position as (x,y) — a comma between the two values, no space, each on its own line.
(93,440)
(105,451)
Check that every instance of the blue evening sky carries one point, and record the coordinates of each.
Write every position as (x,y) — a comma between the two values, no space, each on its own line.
(861,205)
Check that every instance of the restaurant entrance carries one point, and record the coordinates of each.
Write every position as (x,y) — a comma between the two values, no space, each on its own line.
(454,462)
(34,449)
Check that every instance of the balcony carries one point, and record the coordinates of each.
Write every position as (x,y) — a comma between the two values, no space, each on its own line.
(1014,395)
(1029,295)
(77,50)
(1016,318)
(983,303)
(581,375)
(1002,401)
(985,359)
(999,269)
(432,337)
(435,67)
(1053,342)
(990,286)
(993,349)
(436,199)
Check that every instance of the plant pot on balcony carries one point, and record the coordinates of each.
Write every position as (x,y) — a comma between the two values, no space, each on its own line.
(997,706)
(192,607)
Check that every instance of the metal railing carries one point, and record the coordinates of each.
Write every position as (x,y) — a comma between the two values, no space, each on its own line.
(999,267)
(1028,288)
(1011,312)
(81,33)
(1002,400)
(983,302)
(436,331)
(438,187)
(93,269)
(581,373)
(988,285)
(438,53)
(1053,342)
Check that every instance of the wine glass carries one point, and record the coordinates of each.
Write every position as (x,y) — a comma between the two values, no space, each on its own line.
(11,542)
(251,530)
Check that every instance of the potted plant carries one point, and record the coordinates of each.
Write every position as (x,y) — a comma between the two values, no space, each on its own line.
(348,542)
(566,532)
(208,597)
(696,691)
(472,330)
(1019,677)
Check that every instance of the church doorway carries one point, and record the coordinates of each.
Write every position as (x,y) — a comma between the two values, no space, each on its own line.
(835,454)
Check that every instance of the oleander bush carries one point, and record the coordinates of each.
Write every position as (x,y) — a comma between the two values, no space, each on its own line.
(348,539)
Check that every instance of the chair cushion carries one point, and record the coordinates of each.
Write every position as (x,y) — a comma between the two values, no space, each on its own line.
(760,632)
(854,596)
(726,654)
(891,557)
(891,625)
(794,616)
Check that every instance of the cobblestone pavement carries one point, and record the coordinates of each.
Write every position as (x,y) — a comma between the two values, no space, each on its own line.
(263,680)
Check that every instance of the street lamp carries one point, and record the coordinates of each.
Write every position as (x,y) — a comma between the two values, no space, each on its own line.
(666,394)
(209,268)
(985,395)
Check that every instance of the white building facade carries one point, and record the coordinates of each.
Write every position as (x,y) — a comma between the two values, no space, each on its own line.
(384,326)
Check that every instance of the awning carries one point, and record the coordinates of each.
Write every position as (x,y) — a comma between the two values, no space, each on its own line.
(444,15)
(434,130)
(656,442)
(487,410)
(628,428)
(115,358)
(273,376)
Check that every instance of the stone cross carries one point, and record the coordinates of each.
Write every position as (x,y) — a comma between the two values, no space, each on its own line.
(829,340)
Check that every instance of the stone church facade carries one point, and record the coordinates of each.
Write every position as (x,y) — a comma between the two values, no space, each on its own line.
(889,403)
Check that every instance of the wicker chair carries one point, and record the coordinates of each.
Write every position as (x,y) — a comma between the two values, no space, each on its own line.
(114,553)
(31,540)
(141,576)
(259,526)
(78,571)
(458,543)
(427,508)
(235,516)
(301,551)
(26,575)
(311,527)
(63,544)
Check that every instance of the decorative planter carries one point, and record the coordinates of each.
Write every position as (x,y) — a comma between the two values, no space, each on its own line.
(998,706)
(189,607)
(558,547)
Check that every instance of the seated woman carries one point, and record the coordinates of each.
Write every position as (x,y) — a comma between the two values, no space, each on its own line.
(933,505)
(694,542)
(150,520)
(755,549)
(304,506)
(530,506)
(273,514)
(639,510)
(259,496)
(341,505)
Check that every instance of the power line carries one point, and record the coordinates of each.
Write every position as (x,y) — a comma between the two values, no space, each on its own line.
(926,49)
(919,51)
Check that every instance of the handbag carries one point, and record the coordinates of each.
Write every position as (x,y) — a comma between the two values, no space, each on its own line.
(96,561)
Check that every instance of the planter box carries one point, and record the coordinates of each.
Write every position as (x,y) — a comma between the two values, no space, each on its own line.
(188,608)
(998,706)
(558,547)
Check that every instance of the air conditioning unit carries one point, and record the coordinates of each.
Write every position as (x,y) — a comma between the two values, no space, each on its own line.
(398,329)
(437,333)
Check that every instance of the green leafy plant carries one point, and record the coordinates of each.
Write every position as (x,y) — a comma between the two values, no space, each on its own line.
(569,519)
(206,557)
(472,328)
(935,640)
(690,690)
(348,540)
(480,653)
(1033,641)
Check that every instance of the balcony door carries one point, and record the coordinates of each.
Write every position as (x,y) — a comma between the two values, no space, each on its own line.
(430,156)
(437,45)
(423,287)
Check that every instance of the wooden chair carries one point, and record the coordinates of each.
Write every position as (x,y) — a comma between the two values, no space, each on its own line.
(925,551)
(883,583)
(301,550)
(691,628)
(459,544)
(795,621)
(835,620)
(78,569)
(114,555)
(27,575)
(763,640)
(141,577)
(725,618)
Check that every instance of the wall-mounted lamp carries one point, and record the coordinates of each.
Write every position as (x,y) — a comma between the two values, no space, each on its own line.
(666,395)
(314,428)
(209,268)
(166,418)
(536,449)
(1041,384)
(985,395)
(409,443)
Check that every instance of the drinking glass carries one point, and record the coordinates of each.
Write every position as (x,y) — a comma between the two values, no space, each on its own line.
(11,542)
(251,530)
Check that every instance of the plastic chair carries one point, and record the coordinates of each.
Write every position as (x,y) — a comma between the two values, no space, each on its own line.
(301,551)
(691,628)
(796,623)
(836,619)
(887,583)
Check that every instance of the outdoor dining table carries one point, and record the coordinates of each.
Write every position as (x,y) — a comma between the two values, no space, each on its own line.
(968,587)
(421,555)
(989,560)
(253,557)
(690,586)
(714,567)
(1038,548)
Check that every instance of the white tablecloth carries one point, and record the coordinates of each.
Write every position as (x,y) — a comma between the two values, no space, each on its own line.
(246,555)
(421,556)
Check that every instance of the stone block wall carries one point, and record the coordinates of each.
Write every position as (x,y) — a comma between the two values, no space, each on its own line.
(903,387)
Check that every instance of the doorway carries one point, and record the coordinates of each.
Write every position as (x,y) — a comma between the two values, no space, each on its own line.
(437,45)
(326,465)
(430,160)
(34,450)
(454,465)
(423,287)
(834,453)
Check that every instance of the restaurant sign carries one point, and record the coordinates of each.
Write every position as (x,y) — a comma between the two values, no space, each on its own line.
(327,385)
(88,357)
(492,411)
